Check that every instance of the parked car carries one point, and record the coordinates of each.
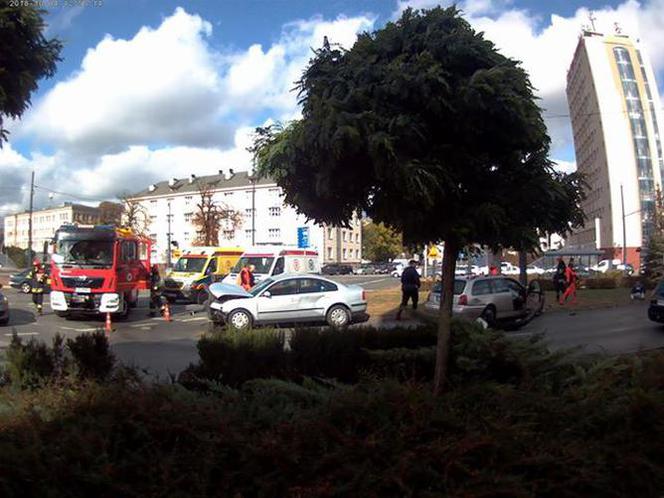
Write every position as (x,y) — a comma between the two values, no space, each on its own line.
(384,268)
(534,270)
(365,269)
(656,308)
(4,308)
(507,268)
(396,273)
(494,299)
(288,299)
(337,269)
(21,281)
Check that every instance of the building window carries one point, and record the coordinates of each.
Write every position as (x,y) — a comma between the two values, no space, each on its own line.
(329,253)
(357,254)
(357,237)
(344,253)
(248,211)
(153,203)
(187,200)
(188,217)
(247,233)
(274,233)
(228,194)
(275,211)
(343,235)
(230,234)
(186,236)
(153,238)
(329,234)
(153,218)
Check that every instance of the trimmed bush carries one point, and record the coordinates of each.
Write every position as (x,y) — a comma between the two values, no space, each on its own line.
(599,283)
(92,356)
(232,357)
(31,364)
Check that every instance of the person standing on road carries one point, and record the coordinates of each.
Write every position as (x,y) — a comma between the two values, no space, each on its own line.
(410,287)
(155,297)
(37,282)
(570,279)
(246,277)
(559,278)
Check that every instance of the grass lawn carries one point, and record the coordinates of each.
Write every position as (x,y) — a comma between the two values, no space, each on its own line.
(385,302)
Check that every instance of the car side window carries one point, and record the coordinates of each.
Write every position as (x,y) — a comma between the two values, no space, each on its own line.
(284,288)
(278,266)
(515,286)
(481,287)
(309,285)
(501,285)
(212,267)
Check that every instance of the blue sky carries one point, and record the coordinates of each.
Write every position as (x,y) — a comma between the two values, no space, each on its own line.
(150,89)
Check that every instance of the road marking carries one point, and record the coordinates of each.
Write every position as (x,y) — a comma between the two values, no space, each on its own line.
(141,325)
(22,333)
(195,319)
(79,330)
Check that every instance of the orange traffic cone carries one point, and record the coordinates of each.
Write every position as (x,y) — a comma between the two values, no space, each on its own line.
(167,312)
(108,328)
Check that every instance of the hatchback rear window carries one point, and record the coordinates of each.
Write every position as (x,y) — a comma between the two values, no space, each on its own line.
(459,286)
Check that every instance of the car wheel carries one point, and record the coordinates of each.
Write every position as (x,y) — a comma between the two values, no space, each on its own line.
(489,316)
(338,317)
(240,320)
(26,288)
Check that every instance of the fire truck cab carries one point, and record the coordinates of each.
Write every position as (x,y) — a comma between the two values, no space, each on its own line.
(98,269)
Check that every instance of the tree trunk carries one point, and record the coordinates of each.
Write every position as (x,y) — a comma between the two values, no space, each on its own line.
(523,264)
(445,314)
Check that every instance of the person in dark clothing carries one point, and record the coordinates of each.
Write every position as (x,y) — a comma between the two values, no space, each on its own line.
(410,286)
(559,278)
(155,297)
(38,283)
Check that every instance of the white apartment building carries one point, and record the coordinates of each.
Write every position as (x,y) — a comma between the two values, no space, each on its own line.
(265,219)
(44,224)
(616,118)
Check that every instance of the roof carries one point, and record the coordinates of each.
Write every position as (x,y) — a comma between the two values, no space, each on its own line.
(191,184)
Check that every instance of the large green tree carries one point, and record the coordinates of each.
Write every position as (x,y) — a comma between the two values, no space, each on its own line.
(380,242)
(426,127)
(654,257)
(26,56)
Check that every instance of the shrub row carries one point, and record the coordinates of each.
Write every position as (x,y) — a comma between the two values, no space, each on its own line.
(590,431)
(34,363)
(233,358)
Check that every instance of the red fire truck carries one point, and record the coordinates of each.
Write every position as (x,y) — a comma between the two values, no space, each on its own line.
(98,269)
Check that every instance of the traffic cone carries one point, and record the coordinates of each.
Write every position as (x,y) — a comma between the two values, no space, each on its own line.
(107,328)
(167,312)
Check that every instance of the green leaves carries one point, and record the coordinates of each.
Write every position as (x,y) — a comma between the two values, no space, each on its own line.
(425,126)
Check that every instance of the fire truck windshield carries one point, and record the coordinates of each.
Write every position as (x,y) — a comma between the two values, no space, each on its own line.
(86,252)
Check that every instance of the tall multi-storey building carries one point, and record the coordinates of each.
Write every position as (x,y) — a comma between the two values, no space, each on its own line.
(264,218)
(45,222)
(616,117)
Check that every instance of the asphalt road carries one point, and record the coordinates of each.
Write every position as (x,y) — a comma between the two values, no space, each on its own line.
(162,347)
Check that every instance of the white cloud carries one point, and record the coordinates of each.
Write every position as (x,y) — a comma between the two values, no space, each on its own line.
(162,86)
(565,166)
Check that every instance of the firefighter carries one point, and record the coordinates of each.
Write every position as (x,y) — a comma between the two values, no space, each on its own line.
(38,282)
(155,296)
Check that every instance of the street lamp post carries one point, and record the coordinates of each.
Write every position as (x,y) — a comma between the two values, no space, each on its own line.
(168,237)
(624,230)
(253,210)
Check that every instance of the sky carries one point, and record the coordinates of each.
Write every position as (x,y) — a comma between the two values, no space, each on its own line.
(153,89)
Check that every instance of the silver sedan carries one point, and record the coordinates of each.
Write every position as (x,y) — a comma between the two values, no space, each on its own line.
(288,299)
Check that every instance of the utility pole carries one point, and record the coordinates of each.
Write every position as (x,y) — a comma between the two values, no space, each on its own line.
(253,210)
(168,238)
(624,230)
(32,195)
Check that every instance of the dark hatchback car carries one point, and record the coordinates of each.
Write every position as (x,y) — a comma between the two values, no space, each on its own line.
(656,308)
(337,269)
(22,282)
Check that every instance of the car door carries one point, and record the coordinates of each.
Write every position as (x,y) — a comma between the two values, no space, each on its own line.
(313,293)
(279,302)
(502,297)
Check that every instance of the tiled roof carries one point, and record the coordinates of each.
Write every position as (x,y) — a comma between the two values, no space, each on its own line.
(191,184)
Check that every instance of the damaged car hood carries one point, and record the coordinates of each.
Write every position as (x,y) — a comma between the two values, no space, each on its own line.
(219,290)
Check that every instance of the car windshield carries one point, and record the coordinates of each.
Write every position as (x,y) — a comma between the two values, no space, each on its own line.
(659,291)
(262,264)
(260,287)
(459,286)
(190,265)
(86,252)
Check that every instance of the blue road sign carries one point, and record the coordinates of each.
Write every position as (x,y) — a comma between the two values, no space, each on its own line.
(303,237)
